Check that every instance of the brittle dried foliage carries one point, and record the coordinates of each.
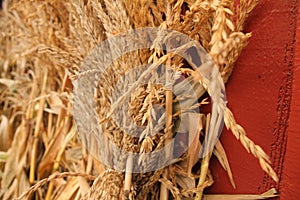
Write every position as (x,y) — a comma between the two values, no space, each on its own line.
(43,44)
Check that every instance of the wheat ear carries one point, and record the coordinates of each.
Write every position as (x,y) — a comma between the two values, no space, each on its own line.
(248,144)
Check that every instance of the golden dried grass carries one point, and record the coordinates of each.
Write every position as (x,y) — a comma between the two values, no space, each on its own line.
(42,46)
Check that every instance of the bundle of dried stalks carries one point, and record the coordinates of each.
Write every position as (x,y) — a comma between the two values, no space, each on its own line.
(43,44)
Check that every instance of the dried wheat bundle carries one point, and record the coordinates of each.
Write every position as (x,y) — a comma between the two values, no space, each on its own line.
(46,47)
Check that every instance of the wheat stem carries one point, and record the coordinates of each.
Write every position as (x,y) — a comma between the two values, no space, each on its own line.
(37,130)
(204,166)
(128,175)
(164,193)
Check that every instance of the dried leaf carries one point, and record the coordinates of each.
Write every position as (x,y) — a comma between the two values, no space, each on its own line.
(185,182)
(195,127)
(15,161)
(220,153)
(46,165)
(71,187)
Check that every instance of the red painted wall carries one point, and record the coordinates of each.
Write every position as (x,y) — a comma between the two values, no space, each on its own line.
(290,183)
(262,94)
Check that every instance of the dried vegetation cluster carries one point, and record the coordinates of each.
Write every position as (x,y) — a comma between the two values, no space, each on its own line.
(42,46)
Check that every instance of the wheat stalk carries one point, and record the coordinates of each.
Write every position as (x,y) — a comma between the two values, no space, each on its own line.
(43,182)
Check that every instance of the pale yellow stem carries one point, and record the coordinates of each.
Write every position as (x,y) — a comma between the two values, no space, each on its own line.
(164,193)
(204,167)
(128,174)
(39,119)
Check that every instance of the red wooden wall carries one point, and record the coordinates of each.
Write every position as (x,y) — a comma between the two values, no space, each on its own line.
(264,95)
